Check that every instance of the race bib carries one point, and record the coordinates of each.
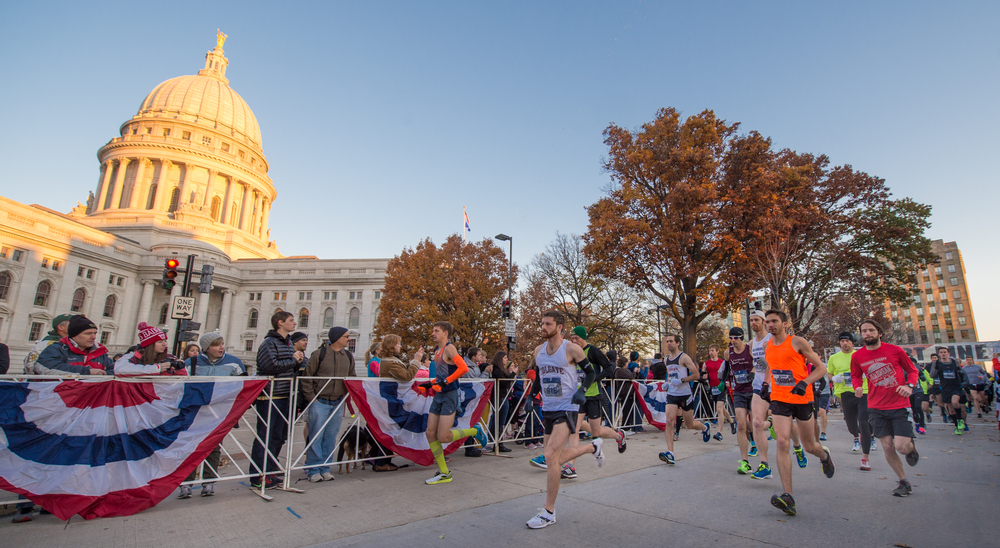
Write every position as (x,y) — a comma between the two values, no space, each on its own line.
(552,387)
(948,374)
(716,390)
(759,367)
(847,378)
(742,377)
(783,377)
(673,375)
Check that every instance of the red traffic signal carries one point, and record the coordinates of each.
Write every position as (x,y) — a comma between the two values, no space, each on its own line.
(169,274)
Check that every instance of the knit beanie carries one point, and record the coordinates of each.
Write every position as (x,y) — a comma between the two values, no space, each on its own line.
(336,333)
(207,339)
(149,334)
(79,324)
(297,336)
(580,331)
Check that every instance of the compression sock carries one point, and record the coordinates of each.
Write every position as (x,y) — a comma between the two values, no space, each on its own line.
(460,433)
(438,453)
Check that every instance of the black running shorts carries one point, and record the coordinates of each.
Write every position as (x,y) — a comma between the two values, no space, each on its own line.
(891,422)
(798,411)
(946,397)
(592,408)
(553,418)
(741,400)
(681,401)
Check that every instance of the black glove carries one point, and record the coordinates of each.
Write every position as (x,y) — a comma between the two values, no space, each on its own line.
(580,397)
(800,388)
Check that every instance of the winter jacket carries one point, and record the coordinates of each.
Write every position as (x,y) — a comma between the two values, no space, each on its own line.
(334,364)
(394,368)
(66,357)
(226,366)
(131,365)
(276,358)
(31,366)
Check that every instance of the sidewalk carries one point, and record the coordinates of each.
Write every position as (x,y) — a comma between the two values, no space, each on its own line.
(698,501)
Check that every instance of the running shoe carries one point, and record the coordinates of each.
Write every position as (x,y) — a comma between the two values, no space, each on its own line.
(529,446)
(763,472)
(717,436)
(568,471)
(481,436)
(903,489)
(622,444)
(706,434)
(544,518)
(732,427)
(770,429)
(929,416)
(865,465)
(584,436)
(828,467)
(785,503)
(677,436)
(269,482)
(753,450)
(185,492)
(800,456)
(913,458)
(599,451)
(958,431)
(921,430)
(857,445)
(538,462)
(965,426)
(874,446)
(208,490)
(822,436)
(667,457)
(440,477)
(979,415)
(744,468)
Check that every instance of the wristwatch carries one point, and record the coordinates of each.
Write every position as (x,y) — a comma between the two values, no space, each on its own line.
(911,385)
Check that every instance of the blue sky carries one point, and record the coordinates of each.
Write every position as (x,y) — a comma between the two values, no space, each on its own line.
(381,120)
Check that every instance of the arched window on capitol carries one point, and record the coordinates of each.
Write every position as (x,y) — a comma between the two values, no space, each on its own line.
(152,196)
(5,281)
(175,197)
(216,207)
(328,318)
(354,319)
(304,317)
(42,293)
(110,304)
(163,315)
(79,298)
(252,319)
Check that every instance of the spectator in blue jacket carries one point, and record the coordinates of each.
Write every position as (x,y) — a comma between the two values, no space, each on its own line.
(213,360)
(78,352)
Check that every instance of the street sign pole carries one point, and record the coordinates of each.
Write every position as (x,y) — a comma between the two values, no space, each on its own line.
(184,293)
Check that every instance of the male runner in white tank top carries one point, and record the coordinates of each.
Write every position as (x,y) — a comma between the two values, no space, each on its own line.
(562,395)
(681,370)
(761,402)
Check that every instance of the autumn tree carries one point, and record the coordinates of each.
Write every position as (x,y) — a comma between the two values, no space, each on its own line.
(685,199)
(463,283)
(840,240)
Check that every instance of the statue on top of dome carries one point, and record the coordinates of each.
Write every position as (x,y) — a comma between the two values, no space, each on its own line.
(220,38)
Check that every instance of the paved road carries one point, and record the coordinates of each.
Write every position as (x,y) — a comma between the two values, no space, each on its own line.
(633,499)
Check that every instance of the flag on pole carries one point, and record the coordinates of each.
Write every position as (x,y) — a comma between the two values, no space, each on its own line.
(109,447)
(466,229)
(396,414)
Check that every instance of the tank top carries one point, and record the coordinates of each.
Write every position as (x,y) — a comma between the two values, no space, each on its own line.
(787,368)
(443,370)
(759,370)
(947,371)
(559,380)
(676,371)
(741,365)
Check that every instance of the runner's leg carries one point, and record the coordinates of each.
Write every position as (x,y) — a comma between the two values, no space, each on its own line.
(783,429)
(668,432)
(759,409)
(741,432)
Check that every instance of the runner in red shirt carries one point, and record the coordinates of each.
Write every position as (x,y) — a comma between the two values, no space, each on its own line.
(891,377)
(717,371)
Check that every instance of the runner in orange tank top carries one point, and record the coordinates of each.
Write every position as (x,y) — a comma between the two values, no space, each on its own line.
(791,398)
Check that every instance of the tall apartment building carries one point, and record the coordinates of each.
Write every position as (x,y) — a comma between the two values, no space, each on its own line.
(941,310)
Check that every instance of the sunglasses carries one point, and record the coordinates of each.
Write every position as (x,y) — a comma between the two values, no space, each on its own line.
(736,338)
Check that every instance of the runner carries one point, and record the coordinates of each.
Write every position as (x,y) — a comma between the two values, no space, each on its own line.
(681,370)
(562,395)
(741,366)
(821,402)
(717,371)
(977,384)
(952,378)
(892,377)
(761,401)
(786,358)
(855,408)
(595,399)
(935,391)
(918,399)
(449,366)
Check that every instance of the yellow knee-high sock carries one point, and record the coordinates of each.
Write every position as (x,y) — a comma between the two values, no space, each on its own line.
(460,433)
(438,453)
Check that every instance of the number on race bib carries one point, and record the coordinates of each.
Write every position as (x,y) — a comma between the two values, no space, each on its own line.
(783,377)
(552,387)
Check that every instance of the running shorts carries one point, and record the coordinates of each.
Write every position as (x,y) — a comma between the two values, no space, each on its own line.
(798,411)
(593,408)
(891,422)
(764,392)
(978,387)
(444,403)
(946,397)
(681,401)
(821,402)
(741,400)
(553,418)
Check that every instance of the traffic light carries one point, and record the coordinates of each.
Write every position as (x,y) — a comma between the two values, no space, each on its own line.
(511,343)
(205,285)
(505,310)
(169,274)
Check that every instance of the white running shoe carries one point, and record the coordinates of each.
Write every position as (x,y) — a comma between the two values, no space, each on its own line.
(544,518)
(599,451)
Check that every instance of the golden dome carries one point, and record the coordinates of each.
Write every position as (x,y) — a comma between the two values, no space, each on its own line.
(205,99)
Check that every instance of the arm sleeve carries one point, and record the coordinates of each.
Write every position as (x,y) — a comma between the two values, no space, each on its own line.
(589,375)
(856,380)
(912,376)
(933,372)
(536,386)
(462,369)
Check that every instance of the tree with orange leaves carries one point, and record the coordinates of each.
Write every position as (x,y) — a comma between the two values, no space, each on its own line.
(463,283)
(686,197)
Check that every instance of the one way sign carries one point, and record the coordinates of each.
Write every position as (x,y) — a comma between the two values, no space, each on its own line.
(183,308)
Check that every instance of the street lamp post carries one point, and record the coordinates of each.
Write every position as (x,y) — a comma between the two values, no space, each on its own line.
(505,310)
(659,337)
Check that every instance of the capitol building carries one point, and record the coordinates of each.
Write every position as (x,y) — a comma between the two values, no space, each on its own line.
(186,176)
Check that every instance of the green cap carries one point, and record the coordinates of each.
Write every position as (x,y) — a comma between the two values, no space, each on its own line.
(580,331)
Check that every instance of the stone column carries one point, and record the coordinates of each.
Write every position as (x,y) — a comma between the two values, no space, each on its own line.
(243,206)
(224,212)
(169,326)
(266,208)
(161,184)
(255,213)
(116,197)
(146,301)
(183,194)
(201,310)
(227,305)
(135,196)
(102,186)
(209,187)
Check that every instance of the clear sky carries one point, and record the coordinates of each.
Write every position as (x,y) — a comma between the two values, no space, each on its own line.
(380,120)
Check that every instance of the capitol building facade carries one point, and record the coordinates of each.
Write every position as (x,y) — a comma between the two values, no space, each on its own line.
(186,176)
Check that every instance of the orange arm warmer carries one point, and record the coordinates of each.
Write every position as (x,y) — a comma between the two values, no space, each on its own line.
(461,369)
